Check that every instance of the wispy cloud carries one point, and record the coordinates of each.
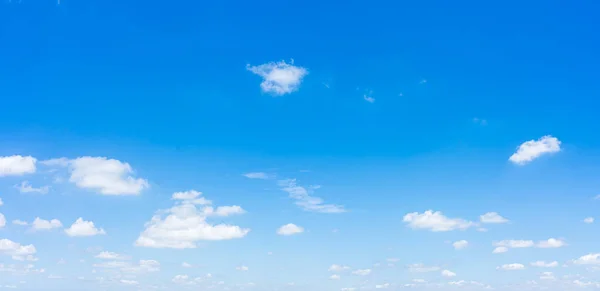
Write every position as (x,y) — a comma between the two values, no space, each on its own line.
(307,202)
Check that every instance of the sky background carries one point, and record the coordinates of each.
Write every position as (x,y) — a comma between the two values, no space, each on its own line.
(391,107)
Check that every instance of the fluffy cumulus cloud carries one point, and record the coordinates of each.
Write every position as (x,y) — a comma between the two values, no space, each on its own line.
(589,259)
(448,274)
(84,228)
(279,78)
(435,221)
(511,267)
(101,174)
(304,200)
(461,244)
(186,223)
(289,229)
(551,243)
(42,224)
(16,250)
(17,165)
(530,150)
(492,217)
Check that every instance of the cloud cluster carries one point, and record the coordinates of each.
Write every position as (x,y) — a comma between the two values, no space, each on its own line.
(279,78)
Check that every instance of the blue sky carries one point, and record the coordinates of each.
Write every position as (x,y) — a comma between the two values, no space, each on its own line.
(231,145)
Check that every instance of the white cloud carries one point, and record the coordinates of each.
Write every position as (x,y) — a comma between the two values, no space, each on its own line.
(369,99)
(41,224)
(17,165)
(544,264)
(257,175)
(307,202)
(180,279)
(511,243)
(129,282)
(105,255)
(192,197)
(338,268)
(279,78)
(589,220)
(435,221)
(511,267)
(83,228)
(16,250)
(184,224)
(551,243)
(589,259)
(461,244)
(20,222)
(186,265)
(547,276)
(420,268)
(242,268)
(25,187)
(2,220)
(362,272)
(492,217)
(382,286)
(530,150)
(334,277)
(1,202)
(289,229)
(107,176)
(448,274)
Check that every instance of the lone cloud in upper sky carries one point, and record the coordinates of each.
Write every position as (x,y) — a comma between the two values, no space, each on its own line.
(279,78)
(533,149)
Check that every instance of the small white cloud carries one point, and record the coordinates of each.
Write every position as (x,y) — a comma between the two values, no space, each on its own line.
(1,202)
(511,243)
(20,222)
(307,202)
(530,150)
(492,217)
(338,268)
(257,175)
(448,274)
(421,268)
(2,220)
(362,272)
(461,244)
(480,121)
(547,276)
(107,176)
(42,224)
(110,256)
(129,282)
(279,78)
(499,250)
(242,268)
(17,165)
(334,277)
(186,265)
(589,220)
(551,243)
(589,259)
(289,229)
(435,221)
(544,264)
(511,267)
(83,228)
(369,99)
(382,286)
(184,224)
(16,250)
(25,187)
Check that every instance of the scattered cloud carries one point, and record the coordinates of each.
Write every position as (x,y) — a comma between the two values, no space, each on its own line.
(544,264)
(461,244)
(257,175)
(16,250)
(41,224)
(511,267)
(279,78)
(589,220)
(499,250)
(307,202)
(421,268)
(110,256)
(338,268)
(530,150)
(480,121)
(83,228)
(492,217)
(186,265)
(589,259)
(17,165)
(368,98)
(20,222)
(2,220)
(334,277)
(448,274)
(185,224)
(242,268)
(511,243)
(25,187)
(290,229)
(435,221)
(551,243)
(362,272)
(104,175)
